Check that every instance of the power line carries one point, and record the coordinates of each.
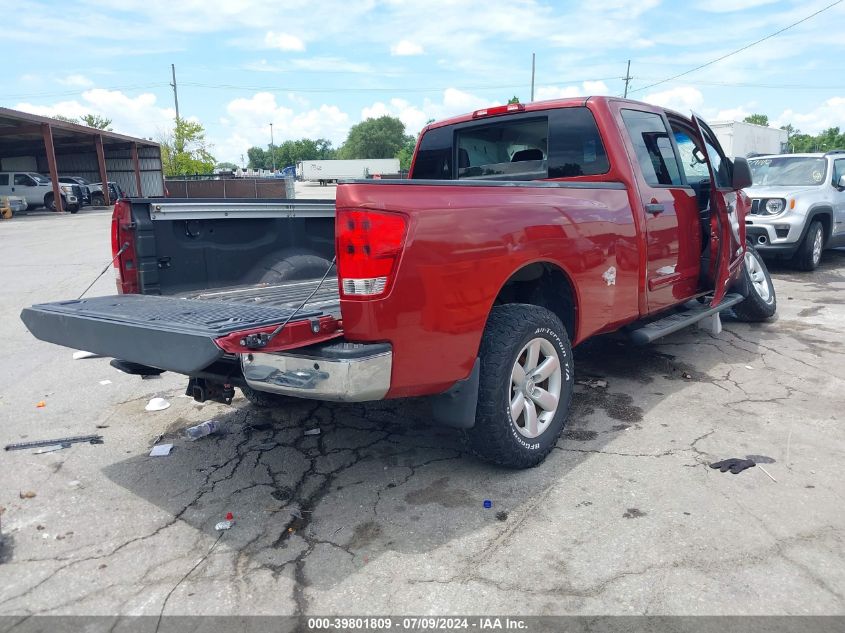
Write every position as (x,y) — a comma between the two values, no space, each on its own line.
(739,50)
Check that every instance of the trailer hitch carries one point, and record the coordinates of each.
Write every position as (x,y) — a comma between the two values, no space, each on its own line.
(203,390)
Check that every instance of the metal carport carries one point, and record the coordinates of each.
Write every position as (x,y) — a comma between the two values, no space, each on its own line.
(29,142)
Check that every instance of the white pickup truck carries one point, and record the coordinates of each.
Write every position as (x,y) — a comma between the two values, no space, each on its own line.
(37,190)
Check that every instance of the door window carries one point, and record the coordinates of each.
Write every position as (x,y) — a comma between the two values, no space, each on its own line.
(838,170)
(4,180)
(22,180)
(653,147)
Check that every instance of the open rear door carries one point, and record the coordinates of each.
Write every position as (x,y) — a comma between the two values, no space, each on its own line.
(727,234)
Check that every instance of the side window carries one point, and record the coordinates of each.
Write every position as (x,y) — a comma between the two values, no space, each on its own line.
(575,147)
(838,170)
(721,166)
(507,150)
(4,180)
(22,180)
(653,147)
(692,160)
(434,157)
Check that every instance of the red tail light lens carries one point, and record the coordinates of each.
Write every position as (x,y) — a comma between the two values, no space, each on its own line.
(368,244)
(123,233)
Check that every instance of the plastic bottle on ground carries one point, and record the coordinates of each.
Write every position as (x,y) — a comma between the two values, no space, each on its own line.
(201,430)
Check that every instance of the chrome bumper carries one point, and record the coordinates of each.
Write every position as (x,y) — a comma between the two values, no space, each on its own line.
(343,372)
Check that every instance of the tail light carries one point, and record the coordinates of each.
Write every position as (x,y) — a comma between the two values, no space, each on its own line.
(123,237)
(368,245)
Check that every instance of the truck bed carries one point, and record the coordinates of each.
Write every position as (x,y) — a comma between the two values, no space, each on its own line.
(286,295)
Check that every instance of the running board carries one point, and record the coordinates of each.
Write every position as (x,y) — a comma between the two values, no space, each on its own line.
(652,331)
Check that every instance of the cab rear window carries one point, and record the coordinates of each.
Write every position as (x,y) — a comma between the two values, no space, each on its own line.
(533,146)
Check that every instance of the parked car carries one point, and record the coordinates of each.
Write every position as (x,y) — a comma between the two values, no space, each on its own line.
(797,205)
(37,190)
(524,230)
(84,187)
(9,205)
(97,197)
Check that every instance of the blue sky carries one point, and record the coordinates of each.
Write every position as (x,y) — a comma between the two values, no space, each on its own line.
(314,69)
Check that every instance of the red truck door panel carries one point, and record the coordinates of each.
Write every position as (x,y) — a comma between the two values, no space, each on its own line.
(727,233)
(671,209)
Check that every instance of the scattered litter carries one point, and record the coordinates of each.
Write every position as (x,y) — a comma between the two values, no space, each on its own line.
(75,484)
(101,426)
(29,494)
(769,474)
(227,524)
(502,515)
(81,355)
(40,527)
(40,404)
(160,450)
(201,430)
(105,382)
(158,439)
(51,449)
(749,367)
(733,464)
(594,383)
(157,404)
(488,504)
(686,375)
(91,439)
(312,432)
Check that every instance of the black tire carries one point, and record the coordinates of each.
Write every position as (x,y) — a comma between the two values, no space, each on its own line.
(49,202)
(807,258)
(290,265)
(760,303)
(74,208)
(98,200)
(264,400)
(495,437)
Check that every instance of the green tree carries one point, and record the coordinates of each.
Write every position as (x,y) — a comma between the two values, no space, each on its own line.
(185,151)
(226,166)
(258,158)
(406,154)
(383,137)
(90,120)
(757,119)
(513,99)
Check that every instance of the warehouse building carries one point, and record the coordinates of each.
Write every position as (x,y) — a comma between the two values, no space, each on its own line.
(32,143)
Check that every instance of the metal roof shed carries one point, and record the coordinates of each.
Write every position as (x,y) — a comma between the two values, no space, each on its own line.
(29,142)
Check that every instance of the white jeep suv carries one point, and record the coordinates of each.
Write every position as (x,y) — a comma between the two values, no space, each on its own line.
(797,205)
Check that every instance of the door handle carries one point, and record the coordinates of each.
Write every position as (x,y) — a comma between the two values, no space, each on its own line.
(654,208)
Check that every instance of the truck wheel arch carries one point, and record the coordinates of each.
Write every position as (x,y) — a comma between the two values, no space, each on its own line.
(545,284)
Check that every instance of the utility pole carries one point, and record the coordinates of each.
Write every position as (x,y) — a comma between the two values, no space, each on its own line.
(272,148)
(173,85)
(627,78)
(533,57)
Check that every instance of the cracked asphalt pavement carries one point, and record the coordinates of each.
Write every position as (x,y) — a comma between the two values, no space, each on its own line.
(382,513)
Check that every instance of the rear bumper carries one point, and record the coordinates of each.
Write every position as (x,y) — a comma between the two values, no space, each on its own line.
(338,371)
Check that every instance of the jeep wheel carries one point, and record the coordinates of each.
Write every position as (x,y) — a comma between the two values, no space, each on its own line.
(525,387)
(756,286)
(810,252)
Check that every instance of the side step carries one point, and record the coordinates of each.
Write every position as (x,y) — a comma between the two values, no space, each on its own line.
(693,313)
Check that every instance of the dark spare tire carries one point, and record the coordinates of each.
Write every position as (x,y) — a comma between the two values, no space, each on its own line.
(756,286)
(525,388)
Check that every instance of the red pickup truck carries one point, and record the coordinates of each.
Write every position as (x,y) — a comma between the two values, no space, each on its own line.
(523,230)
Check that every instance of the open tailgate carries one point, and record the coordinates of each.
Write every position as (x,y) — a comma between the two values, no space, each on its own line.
(170,333)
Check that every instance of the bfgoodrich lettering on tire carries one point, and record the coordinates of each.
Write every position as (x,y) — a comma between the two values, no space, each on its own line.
(525,387)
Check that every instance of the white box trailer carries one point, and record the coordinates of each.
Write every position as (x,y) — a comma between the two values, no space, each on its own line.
(738,138)
(325,171)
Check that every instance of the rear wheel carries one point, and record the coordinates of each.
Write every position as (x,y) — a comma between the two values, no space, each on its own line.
(265,400)
(756,285)
(810,252)
(74,208)
(50,202)
(525,387)
(98,200)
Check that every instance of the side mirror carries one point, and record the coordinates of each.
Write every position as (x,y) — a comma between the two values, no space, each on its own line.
(741,174)
(841,183)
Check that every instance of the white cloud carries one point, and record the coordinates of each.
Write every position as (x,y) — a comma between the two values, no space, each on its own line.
(544,93)
(406,48)
(732,114)
(830,113)
(76,81)
(683,99)
(727,6)
(135,116)
(283,41)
